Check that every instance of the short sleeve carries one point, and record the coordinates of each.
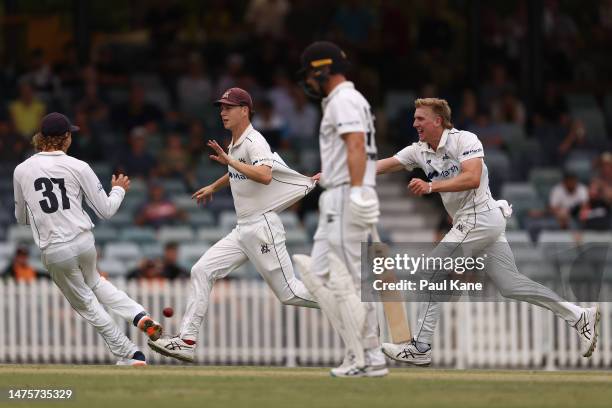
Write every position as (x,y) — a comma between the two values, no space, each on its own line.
(469,147)
(347,116)
(259,152)
(408,157)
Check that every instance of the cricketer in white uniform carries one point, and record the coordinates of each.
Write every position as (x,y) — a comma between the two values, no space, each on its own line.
(453,162)
(50,188)
(262,185)
(348,209)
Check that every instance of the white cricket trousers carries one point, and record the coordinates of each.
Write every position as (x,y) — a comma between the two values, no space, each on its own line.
(78,279)
(479,232)
(337,233)
(259,239)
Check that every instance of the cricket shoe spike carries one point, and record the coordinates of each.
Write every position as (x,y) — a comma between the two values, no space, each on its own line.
(376,365)
(588,330)
(138,359)
(173,347)
(150,327)
(407,353)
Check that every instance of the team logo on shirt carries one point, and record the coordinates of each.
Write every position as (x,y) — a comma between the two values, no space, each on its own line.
(100,188)
(241,160)
(472,151)
(445,157)
(265,249)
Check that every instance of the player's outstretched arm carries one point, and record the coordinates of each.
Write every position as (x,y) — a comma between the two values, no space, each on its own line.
(205,194)
(388,165)
(468,179)
(104,205)
(260,173)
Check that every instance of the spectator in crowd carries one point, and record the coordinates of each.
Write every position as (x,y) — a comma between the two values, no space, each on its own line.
(488,130)
(603,179)
(170,269)
(86,146)
(147,270)
(195,141)
(96,109)
(108,71)
(27,111)
(45,84)
(137,162)
(159,210)
(468,112)
(575,139)
(267,17)
(496,85)
(508,109)
(175,160)
(270,123)
(566,199)
(595,213)
(303,121)
(194,89)
(20,268)
(551,108)
(137,112)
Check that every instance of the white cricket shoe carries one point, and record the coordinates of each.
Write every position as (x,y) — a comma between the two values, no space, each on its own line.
(407,353)
(348,361)
(138,359)
(588,330)
(173,347)
(376,365)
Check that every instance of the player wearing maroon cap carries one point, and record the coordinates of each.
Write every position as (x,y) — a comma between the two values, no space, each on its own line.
(262,185)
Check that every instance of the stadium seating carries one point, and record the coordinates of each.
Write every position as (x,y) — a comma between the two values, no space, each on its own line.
(175,234)
(138,235)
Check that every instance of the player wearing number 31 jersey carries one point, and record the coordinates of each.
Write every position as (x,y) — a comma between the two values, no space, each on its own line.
(50,188)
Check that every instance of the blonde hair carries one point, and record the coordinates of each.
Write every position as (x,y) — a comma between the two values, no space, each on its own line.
(439,107)
(48,143)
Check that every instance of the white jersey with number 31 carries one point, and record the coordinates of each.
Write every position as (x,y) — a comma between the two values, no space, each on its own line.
(345,110)
(49,191)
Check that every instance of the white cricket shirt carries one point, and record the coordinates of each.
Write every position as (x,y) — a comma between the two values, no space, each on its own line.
(49,191)
(253,198)
(455,147)
(345,110)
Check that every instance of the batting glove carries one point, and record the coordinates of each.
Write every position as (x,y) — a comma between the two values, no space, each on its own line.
(365,211)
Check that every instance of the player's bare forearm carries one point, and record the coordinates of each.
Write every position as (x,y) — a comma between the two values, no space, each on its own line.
(388,165)
(468,179)
(355,156)
(221,182)
(260,174)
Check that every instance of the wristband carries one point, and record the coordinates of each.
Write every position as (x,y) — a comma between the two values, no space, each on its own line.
(429,192)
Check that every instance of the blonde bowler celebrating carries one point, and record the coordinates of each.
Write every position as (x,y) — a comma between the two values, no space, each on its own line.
(261,185)
(50,188)
(348,209)
(453,161)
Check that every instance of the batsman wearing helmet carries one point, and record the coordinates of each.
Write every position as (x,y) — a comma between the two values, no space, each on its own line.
(348,208)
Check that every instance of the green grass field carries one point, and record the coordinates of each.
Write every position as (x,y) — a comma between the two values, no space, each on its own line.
(180,387)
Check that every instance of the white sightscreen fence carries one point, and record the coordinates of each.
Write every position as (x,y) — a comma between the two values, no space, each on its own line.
(246,324)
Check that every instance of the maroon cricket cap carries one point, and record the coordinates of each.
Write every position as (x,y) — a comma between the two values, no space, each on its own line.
(236,97)
(56,124)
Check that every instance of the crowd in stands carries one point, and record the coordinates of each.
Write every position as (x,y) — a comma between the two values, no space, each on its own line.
(145,108)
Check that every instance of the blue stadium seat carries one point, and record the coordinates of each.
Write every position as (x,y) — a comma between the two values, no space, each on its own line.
(175,234)
(105,233)
(126,252)
(138,235)
(20,233)
(112,266)
(189,253)
(544,179)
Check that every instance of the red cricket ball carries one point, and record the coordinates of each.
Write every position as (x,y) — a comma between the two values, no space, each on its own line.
(168,311)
